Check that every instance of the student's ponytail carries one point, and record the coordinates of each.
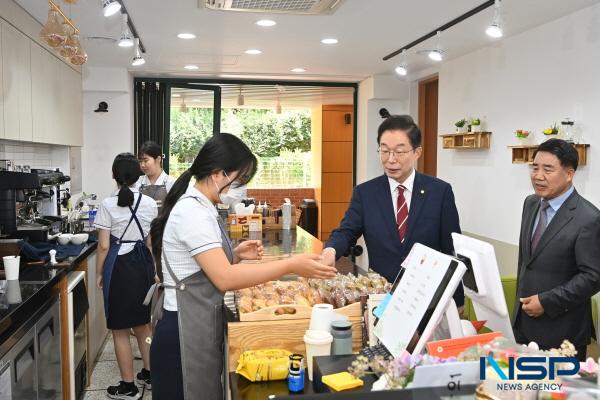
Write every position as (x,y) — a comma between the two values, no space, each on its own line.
(126,171)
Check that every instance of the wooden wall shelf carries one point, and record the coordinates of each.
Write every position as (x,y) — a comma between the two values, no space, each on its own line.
(468,140)
(523,154)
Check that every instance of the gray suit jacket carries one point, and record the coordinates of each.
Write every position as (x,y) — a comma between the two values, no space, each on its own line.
(564,271)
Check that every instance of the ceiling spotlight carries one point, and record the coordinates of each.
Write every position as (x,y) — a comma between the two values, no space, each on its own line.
(240,98)
(329,41)
(495,28)
(266,22)
(253,52)
(126,37)
(401,70)
(138,59)
(191,67)
(435,55)
(298,70)
(110,7)
(186,36)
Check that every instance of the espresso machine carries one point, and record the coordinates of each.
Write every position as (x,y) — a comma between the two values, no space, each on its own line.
(30,204)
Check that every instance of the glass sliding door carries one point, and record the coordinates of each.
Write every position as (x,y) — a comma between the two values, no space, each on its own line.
(194,116)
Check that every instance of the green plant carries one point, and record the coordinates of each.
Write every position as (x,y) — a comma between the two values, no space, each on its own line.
(475,121)
(461,123)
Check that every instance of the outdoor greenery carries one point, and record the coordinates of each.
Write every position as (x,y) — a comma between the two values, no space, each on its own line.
(280,141)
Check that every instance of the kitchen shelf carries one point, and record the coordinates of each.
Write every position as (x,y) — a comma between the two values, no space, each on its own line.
(523,154)
(468,140)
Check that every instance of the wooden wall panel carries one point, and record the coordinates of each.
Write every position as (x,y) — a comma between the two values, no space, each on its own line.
(337,157)
(335,128)
(332,215)
(337,187)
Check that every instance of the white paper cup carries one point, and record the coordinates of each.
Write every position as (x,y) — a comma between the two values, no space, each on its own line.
(11,267)
(320,318)
(318,343)
(13,292)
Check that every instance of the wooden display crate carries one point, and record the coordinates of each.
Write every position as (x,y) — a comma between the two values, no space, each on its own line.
(263,329)
(523,154)
(469,140)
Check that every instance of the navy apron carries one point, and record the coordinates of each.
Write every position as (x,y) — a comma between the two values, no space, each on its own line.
(142,255)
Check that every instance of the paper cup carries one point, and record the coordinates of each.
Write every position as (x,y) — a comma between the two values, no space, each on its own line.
(11,267)
(13,292)
(320,318)
(318,343)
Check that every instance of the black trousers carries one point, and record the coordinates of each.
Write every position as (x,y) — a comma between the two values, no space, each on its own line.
(165,359)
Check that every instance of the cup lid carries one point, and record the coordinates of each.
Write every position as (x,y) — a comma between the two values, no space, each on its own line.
(341,325)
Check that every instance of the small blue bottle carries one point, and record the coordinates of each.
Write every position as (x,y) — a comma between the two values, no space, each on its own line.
(296,373)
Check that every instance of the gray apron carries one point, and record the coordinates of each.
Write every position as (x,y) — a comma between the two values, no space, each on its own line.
(157,192)
(201,329)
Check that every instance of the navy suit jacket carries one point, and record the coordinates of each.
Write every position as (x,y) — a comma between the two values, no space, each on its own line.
(431,220)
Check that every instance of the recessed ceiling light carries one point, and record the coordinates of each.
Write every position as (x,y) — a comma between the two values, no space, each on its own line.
(175,95)
(191,67)
(253,52)
(329,41)
(298,70)
(186,36)
(266,22)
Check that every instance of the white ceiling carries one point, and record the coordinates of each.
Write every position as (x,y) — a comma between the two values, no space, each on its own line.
(367,31)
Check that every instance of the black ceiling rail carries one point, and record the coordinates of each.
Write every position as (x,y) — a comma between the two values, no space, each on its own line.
(442,28)
(131,26)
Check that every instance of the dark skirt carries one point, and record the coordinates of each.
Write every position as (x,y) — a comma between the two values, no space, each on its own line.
(165,359)
(128,287)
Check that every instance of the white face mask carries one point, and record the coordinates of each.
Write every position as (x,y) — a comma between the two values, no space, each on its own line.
(234,194)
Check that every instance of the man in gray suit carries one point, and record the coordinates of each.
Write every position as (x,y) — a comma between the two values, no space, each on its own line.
(559,254)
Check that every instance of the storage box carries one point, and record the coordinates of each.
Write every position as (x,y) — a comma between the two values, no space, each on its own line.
(266,329)
(244,223)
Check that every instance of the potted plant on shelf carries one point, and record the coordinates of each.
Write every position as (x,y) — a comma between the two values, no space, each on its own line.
(461,126)
(553,130)
(475,125)
(522,134)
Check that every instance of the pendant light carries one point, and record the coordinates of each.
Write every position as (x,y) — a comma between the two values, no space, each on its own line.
(183,107)
(138,59)
(126,39)
(53,32)
(80,57)
(240,98)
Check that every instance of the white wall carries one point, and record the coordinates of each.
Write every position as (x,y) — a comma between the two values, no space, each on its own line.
(528,81)
(105,134)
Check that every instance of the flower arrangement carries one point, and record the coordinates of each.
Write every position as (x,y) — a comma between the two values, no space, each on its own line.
(553,130)
(398,373)
(522,134)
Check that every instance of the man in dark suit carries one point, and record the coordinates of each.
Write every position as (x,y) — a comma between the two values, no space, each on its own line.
(559,254)
(398,209)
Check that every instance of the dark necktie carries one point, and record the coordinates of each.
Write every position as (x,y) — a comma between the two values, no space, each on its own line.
(401,213)
(541,225)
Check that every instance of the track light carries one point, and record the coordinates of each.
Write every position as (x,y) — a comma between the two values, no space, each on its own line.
(110,7)
(402,70)
(495,28)
(436,54)
(126,39)
(138,59)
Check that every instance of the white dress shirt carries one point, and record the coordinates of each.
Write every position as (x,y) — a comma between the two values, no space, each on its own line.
(408,184)
(163,179)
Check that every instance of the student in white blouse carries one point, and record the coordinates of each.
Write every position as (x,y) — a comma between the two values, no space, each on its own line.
(155,182)
(196,257)
(126,271)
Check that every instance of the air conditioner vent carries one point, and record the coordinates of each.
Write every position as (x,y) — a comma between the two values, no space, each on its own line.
(303,7)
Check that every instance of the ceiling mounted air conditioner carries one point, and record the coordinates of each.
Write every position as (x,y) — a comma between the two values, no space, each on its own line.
(301,7)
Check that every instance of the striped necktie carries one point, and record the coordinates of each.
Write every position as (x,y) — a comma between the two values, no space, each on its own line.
(401,213)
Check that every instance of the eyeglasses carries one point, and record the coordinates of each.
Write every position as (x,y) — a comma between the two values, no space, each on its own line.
(385,154)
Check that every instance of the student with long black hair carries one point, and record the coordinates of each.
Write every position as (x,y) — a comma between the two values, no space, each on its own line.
(126,271)
(154,182)
(196,257)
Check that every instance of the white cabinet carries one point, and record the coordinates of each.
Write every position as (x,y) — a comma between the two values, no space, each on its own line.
(40,95)
(16,84)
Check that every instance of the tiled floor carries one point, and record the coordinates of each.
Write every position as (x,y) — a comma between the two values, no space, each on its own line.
(106,372)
